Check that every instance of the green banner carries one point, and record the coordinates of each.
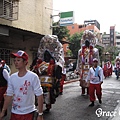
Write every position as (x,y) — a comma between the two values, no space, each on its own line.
(66,14)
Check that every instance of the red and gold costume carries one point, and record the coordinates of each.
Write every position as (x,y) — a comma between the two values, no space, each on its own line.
(109,66)
(85,57)
(107,69)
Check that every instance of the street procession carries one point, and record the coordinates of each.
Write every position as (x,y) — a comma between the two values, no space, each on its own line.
(55,68)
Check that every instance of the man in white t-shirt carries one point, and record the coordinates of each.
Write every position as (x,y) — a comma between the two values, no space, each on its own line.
(95,78)
(22,87)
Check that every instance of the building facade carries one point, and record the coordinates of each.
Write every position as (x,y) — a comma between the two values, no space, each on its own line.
(112,36)
(117,40)
(22,25)
(91,25)
(111,39)
(106,39)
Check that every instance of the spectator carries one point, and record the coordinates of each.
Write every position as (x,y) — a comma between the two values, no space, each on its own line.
(5,66)
(4,76)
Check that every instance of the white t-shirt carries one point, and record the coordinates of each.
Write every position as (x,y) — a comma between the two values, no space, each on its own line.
(23,89)
(6,74)
(91,76)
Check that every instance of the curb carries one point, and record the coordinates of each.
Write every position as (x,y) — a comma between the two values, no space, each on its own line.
(66,82)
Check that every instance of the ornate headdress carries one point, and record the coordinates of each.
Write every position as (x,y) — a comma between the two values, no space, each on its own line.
(88,35)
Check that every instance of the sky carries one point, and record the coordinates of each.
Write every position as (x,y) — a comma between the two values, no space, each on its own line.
(106,12)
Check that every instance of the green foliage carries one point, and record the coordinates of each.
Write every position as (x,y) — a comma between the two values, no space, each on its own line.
(113,50)
(75,39)
(100,49)
(69,52)
(62,31)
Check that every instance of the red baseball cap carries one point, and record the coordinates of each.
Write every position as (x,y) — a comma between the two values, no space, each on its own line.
(20,54)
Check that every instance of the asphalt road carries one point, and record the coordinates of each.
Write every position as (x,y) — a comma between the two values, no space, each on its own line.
(72,106)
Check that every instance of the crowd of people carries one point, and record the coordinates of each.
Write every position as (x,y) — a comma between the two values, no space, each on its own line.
(20,88)
(43,83)
(27,85)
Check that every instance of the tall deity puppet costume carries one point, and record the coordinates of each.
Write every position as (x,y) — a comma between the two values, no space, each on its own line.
(86,54)
(50,62)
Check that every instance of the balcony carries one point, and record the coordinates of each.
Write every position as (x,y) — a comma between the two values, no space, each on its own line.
(9,9)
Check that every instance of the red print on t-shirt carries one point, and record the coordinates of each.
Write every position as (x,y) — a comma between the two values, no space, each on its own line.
(25,86)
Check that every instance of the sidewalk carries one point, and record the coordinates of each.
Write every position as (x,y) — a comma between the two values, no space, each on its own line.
(69,81)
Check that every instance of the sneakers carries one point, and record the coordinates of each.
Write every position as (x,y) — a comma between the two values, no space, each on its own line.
(92,104)
(100,101)
(82,94)
(47,110)
(61,93)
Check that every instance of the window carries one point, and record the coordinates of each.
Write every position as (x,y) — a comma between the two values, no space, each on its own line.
(5,55)
(118,37)
(118,43)
(72,27)
(111,33)
(111,39)
(80,26)
(9,9)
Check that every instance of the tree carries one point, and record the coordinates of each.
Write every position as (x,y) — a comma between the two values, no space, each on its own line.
(113,50)
(62,32)
(76,40)
(101,50)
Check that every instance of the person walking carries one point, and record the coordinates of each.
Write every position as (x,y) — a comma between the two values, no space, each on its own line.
(22,88)
(95,79)
(4,76)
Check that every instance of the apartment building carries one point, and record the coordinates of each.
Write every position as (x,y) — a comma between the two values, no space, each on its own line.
(112,35)
(91,25)
(111,39)
(22,25)
(106,39)
(117,40)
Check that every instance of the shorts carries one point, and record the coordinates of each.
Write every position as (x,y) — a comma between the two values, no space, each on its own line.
(28,116)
